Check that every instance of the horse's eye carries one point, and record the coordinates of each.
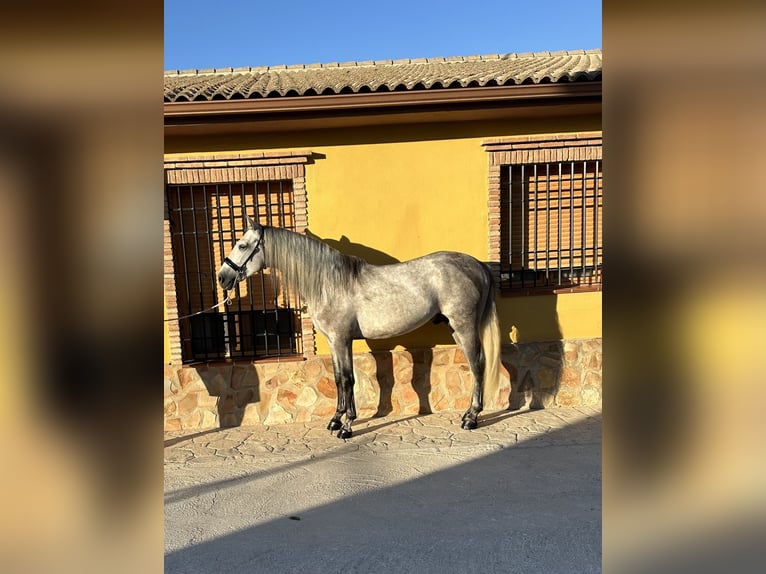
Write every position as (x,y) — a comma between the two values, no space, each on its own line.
(242,246)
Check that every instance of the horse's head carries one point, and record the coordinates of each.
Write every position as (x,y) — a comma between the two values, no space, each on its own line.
(245,259)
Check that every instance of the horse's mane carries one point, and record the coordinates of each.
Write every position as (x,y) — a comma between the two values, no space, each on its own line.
(308,266)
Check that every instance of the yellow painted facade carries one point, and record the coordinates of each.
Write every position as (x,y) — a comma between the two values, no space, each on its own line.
(397,192)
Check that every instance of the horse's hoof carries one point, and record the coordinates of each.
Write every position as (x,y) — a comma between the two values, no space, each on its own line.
(334,425)
(469,424)
(344,433)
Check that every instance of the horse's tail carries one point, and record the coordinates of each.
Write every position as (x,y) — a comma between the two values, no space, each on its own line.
(490,343)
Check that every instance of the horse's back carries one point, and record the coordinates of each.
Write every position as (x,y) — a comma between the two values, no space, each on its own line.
(452,269)
(433,269)
(396,298)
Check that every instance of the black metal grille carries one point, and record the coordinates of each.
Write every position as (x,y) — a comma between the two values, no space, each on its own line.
(551,225)
(205,220)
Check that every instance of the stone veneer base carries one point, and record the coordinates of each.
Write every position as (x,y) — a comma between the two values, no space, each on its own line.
(399,382)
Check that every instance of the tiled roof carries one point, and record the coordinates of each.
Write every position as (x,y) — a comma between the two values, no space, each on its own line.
(382,76)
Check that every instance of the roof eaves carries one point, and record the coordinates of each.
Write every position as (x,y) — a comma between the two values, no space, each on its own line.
(382,102)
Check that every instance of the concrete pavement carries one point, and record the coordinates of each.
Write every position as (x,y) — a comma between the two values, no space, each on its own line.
(522,493)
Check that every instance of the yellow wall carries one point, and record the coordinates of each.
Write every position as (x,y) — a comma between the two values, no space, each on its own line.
(547,317)
(404,191)
(423,196)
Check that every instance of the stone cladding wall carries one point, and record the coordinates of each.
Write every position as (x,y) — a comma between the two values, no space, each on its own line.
(399,382)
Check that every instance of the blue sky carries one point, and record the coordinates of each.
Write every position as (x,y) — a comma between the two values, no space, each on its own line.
(222,33)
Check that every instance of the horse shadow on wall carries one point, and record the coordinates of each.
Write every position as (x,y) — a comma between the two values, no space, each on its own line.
(534,370)
(233,386)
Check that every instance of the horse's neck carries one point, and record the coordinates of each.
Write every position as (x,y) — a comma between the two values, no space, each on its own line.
(308,266)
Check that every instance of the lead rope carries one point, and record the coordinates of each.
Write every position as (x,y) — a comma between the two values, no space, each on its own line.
(226,302)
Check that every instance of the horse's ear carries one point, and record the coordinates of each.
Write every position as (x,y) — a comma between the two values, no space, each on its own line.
(251,224)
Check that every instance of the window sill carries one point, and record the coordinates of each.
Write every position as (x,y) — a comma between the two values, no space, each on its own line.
(524,292)
(250,360)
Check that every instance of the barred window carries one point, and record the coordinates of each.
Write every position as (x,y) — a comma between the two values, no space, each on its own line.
(552,225)
(205,221)
(546,197)
(206,201)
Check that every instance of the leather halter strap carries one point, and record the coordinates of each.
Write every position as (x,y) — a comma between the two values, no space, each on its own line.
(240,269)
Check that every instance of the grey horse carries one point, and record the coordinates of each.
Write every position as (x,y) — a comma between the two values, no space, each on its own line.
(349,299)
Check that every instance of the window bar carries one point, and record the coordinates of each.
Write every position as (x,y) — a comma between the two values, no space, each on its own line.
(258,307)
(266,312)
(583,218)
(239,332)
(294,297)
(281,219)
(196,249)
(224,247)
(547,223)
(233,230)
(230,337)
(534,234)
(298,319)
(183,249)
(290,298)
(559,245)
(245,349)
(211,255)
(242,286)
(180,236)
(571,220)
(511,171)
(596,199)
(524,208)
(207,337)
(221,239)
(187,286)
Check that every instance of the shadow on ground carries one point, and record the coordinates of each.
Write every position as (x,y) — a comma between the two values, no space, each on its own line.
(534,507)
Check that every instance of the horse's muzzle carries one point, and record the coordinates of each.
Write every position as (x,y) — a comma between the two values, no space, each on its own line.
(226,279)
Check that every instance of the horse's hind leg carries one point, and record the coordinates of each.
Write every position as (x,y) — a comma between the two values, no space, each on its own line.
(467,338)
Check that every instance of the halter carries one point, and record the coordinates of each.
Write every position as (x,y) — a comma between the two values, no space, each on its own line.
(240,270)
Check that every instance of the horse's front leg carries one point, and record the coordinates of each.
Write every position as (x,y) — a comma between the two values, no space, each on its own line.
(343,366)
(348,389)
(343,371)
(335,423)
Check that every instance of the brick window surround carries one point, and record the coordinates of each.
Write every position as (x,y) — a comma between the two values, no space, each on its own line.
(223,168)
(506,156)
